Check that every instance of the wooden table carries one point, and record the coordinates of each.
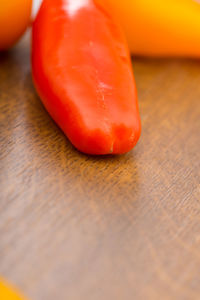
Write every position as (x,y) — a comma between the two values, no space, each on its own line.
(79,227)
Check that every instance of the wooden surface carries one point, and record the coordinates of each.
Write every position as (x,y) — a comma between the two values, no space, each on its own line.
(96,228)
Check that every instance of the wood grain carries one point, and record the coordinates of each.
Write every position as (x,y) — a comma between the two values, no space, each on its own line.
(80,227)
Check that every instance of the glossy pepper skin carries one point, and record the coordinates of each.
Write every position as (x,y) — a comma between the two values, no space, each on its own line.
(82,71)
(159,27)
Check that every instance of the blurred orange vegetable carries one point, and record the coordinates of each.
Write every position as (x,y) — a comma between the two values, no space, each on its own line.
(8,293)
(14,19)
(159,27)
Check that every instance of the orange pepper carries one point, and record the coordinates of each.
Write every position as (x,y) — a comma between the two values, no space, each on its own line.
(14,19)
(159,27)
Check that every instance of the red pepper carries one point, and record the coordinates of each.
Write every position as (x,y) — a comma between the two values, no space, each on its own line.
(83,74)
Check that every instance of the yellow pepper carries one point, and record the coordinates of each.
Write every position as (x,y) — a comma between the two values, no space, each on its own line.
(8,293)
(159,27)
